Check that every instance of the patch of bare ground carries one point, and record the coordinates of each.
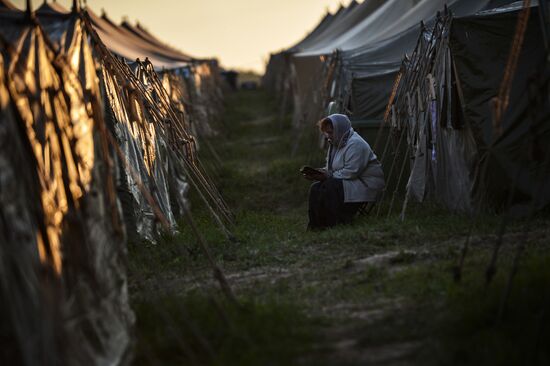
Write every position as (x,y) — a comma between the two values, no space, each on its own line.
(349,352)
(260,121)
(369,311)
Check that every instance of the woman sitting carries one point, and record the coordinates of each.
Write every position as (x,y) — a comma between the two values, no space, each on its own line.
(351,178)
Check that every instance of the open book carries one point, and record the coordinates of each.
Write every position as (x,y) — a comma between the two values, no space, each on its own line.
(312,173)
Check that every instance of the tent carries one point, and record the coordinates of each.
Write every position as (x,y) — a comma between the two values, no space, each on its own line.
(6,5)
(200,76)
(443,107)
(356,71)
(94,149)
(514,167)
(62,234)
(369,41)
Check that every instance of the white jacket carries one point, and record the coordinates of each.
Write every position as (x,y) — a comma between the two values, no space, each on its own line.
(357,165)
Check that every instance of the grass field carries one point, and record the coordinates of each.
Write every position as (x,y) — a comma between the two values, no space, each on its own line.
(378,292)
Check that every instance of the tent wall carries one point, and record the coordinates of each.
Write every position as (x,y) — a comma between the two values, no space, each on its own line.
(513,168)
(91,146)
(443,102)
(73,257)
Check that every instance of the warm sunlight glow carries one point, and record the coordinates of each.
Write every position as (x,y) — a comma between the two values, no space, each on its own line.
(241,33)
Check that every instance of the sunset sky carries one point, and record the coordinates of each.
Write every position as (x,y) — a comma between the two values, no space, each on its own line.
(241,33)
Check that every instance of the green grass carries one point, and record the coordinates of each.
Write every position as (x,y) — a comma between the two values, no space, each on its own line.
(302,294)
(473,333)
(199,329)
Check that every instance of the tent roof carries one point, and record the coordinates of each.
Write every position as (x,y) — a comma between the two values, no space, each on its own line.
(385,56)
(343,24)
(503,7)
(376,21)
(391,18)
(374,66)
(325,22)
(51,8)
(7,5)
(150,39)
(336,19)
(131,47)
(126,41)
(325,25)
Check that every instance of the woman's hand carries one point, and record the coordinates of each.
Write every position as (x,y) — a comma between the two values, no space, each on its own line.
(315,176)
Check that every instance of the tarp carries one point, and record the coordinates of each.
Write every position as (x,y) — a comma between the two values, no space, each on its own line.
(493,32)
(515,164)
(458,157)
(7,5)
(83,135)
(372,22)
(154,41)
(63,253)
(375,23)
(375,66)
(120,40)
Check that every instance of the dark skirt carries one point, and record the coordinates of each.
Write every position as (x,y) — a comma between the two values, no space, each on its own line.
(327,207)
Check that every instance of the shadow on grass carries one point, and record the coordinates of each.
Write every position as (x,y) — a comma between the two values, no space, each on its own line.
(472,332)
(199,329)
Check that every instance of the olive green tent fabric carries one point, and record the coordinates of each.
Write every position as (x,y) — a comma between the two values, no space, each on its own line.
(488,36)
(443,107)
(514,165)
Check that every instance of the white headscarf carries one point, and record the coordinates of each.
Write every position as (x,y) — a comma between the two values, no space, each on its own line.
(341,127)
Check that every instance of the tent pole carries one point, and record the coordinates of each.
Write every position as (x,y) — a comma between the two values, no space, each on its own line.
(397,150)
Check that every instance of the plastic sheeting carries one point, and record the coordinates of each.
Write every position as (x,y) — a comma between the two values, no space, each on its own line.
(7,5)
(442,156)
(91,146)
(67,283)
(22,279)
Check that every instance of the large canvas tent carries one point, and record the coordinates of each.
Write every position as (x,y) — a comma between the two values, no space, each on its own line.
(62,247)
(120,40)
(369,54)
(6,5)
(367,73)
(443,106)
(93,149)
(353,57)
(199,77)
